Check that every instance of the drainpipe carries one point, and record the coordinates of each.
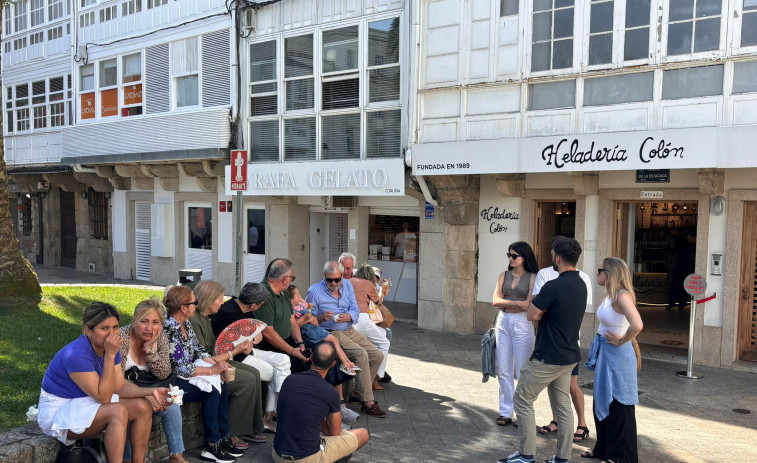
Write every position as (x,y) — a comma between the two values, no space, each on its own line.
(41,255)
(415,14)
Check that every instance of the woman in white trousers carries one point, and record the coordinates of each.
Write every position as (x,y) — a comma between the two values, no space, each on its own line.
(515,334)
(364,284)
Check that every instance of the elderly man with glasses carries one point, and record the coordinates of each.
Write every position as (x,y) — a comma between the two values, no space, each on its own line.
(282,333)
(335,307)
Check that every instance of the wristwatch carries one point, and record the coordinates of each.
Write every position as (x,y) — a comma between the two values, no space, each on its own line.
(300,343)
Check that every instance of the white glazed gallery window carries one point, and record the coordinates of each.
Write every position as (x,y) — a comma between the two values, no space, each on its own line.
(55,33)
(383,123)
(156,3)
(264,133)
(87,19)
(552,35)
(108,87)
(19,43)
(87,78)
(36,38)
(54,9)
(552,95)
(85,3)
(692,82)
(9,113)
(7,20)
(19,20)
(37,12)
(185,66)
(693,26)
(131,7)
(601,32)
(132,88)
(108,14)
(299,87)
(340,94)
(57,103)
(508,8)
(749,23)
(625,88)
(22,107)
(39,105)
(636,39)
(744,77)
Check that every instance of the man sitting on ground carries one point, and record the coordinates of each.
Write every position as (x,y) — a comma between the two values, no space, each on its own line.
(307,406)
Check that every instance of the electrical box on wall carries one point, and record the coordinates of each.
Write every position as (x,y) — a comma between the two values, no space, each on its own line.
(162,230)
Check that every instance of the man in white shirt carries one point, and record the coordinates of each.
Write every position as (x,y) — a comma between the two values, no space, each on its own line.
(576,394)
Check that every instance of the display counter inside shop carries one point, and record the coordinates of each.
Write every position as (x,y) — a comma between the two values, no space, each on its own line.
(403,276)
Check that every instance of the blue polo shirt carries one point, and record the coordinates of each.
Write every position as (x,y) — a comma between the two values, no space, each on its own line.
(323,301)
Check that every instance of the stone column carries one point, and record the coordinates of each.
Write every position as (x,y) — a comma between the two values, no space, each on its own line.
(447,276)
(357,219)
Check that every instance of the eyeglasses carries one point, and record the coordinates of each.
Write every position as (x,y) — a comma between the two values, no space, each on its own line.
(192,303)
(599,271)
(512,255)
(291,277)
(333,280)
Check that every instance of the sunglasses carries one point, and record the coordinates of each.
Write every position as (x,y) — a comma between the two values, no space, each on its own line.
(192,303)
(291,277)
(512,255)
(599,271)
(333,280)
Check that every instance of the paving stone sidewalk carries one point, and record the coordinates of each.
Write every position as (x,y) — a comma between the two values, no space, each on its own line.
(440,411)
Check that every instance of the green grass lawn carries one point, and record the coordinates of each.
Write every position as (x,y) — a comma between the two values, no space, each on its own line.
(31,334)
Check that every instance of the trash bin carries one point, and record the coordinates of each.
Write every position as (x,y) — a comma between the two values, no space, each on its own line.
(186,273)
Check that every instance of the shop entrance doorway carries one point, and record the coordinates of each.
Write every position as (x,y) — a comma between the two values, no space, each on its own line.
(747,321)
(553,218)
(658,241)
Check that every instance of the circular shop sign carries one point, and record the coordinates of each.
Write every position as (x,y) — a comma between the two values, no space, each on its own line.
(695,284)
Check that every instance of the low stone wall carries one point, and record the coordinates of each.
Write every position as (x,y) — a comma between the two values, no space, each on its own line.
(28,445)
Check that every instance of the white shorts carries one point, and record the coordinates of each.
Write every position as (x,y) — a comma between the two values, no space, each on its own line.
(57,415)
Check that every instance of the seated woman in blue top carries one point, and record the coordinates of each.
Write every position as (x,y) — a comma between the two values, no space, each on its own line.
(84,392)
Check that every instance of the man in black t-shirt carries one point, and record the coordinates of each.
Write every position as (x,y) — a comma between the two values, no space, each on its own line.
(308,406)
(559,308)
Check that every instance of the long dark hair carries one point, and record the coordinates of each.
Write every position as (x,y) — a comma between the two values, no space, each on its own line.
(529,260)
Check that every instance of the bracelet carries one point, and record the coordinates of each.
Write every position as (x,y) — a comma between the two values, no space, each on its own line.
(231,356)
(300,343)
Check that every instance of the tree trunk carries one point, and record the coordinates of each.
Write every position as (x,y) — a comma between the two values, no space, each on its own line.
(17,277)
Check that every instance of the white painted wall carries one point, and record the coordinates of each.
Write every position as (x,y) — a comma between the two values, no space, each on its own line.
(120,210)
(494,236)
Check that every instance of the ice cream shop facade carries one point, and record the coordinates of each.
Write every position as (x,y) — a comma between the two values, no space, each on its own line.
(657,199)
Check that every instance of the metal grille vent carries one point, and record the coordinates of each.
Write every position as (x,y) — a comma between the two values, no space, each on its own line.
(157,80)
(215,69)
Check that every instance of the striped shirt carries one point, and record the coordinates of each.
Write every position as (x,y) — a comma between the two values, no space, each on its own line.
(323,301)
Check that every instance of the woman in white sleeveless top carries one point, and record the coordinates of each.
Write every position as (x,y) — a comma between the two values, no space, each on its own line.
(613,358)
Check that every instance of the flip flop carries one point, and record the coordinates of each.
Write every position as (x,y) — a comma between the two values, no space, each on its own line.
(504,421)
(588,454)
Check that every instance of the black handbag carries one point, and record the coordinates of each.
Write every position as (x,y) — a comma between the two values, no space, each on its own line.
(82,451)
(144,378)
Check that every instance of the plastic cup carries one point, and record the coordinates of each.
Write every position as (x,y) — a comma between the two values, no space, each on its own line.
(231,374)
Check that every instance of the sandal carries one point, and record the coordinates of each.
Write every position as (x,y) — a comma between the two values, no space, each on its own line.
(581,436)
(504,421)
(257,438)
(547,428)
(239,444)
(588,454)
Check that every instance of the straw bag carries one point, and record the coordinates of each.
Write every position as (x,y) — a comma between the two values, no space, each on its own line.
(374,312)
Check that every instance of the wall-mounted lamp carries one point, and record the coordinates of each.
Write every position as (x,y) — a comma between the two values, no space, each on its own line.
(717,207)
(28,195)
(83,195)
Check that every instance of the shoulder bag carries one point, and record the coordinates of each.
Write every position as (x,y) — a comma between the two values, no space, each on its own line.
(388,317)
(374,312)
(82,451)
(144,378)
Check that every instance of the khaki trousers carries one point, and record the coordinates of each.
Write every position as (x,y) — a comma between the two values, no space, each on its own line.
(365,355)
(334,448)
(534,377)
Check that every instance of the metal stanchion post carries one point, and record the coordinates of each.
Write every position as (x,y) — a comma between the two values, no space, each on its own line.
(692,317)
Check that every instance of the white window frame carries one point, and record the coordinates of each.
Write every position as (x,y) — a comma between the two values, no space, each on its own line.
(87,3)
(527,13)
(176,75)
(156,3)
(55,33)
(130,7)
(99,88)
(108,13)
(42,106)
(8,17)
(53,102)
(53,6)
(26,107)
(735,19)
(718,52)
(21,16)
(87,19)
(39,11)
(94,89)
(123,85)
(37,38)
(363,107)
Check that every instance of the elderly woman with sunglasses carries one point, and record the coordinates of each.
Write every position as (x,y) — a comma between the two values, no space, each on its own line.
(190,360)
(613,359)
(515,334)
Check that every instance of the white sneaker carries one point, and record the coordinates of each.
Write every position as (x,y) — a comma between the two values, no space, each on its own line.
(349,416)
(345,426)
